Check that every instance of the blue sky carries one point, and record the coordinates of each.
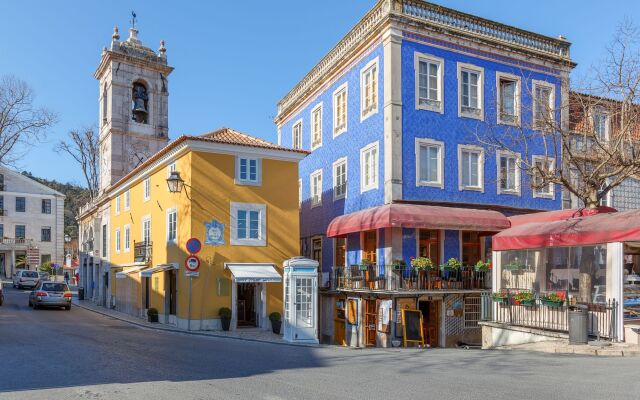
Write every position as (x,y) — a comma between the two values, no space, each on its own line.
(233,60)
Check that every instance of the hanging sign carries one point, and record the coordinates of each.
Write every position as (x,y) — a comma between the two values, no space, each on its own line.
(192,263)
(214,233)
(194,246)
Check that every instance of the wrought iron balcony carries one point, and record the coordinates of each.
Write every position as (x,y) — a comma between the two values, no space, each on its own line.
(142,252)
(405,278)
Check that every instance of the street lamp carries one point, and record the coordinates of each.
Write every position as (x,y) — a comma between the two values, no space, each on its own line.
(175,183)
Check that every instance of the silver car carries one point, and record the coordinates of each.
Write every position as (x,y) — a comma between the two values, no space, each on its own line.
(25,278)
(50,294)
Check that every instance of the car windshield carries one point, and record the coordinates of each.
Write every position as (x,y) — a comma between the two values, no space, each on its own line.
(54,287)
(30,274)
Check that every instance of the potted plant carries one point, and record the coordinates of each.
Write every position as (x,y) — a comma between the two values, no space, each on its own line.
(152,315)
(452,264)
(364,265)
(398,265)
(482,266)
(553,300)
(276,322)
(421,264)
(225,318)
(524,299)
(500,297)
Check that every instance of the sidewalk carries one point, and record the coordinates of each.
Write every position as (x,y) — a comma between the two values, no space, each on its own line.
(592,349)
(248,334)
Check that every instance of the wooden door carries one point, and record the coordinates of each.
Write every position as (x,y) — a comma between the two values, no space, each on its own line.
(369,246)
(432,324)
(370,322)
(339,325)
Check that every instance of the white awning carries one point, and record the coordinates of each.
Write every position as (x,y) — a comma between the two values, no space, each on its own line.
(158,268)
(254,273)
(123,274)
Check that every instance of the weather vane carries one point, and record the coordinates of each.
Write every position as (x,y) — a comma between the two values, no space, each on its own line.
(133,19)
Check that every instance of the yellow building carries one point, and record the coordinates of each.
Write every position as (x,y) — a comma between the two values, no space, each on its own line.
(239,198)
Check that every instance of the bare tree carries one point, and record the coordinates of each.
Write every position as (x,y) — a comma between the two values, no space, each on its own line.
(83,146)
(22,124)
(596,132)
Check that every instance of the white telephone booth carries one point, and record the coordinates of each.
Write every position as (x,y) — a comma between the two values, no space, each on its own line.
(301,300)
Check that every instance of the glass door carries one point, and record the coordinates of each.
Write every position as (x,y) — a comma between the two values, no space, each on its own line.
(304,308)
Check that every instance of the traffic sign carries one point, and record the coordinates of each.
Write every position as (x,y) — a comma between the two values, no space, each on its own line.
(192,263)
(194,245)
(192,274)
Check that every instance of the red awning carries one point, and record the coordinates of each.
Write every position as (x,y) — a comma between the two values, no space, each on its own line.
(418,216)
(590,230)
(549,216)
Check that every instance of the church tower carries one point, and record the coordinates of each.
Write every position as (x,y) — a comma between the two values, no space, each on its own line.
(134,95)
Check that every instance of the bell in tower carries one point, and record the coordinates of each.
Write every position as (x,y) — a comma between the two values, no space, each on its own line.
(140,111)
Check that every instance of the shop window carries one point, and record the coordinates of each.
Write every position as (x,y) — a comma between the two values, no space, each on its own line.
(470,248)
(429,245)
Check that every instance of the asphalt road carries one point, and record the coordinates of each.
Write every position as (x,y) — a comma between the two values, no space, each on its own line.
(77,354)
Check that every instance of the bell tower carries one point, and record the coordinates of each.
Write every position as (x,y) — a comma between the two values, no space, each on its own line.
(134,95)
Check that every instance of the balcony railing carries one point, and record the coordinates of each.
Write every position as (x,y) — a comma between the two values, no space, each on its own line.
(395,278)
(15,241)
(142,252)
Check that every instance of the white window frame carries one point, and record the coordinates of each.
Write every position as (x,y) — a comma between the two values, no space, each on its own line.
(517,101)
(552,193)
(342,88)
(417,58)
(518,189)
(314,174)
(170,211)
(297,124)
(601,111)
(420,142)
(248,181)
(535,83)
(117,236)
(127,200)
(127,238)
(335,166)
(317,108)
(145,219)
(171,167)
(146,189)
(118,205)
(475,149)
(373,185)
(480,71)
(262,235)
(366,112)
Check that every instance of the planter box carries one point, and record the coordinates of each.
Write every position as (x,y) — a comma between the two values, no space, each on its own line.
(552,304)
(512,267)
(500,299)
(526,303)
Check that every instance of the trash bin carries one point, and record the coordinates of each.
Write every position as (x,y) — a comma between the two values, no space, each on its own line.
(81,293)
(578,324)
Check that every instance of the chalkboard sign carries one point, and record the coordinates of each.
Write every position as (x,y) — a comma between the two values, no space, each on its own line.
(412,327)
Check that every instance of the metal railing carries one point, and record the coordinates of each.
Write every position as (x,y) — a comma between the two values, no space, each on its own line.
(552,317)
(142,251)
(393,277)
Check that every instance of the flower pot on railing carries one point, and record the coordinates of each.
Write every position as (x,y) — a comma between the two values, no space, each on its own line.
(482,266)
(500,297)
(553,300)
(525,298)
(513,267)
(452,265)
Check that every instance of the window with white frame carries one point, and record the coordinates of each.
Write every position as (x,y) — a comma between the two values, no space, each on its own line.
(369,89)
(127,200)
(118,205)
(118,241)
(248,171)
(508,173)
(471,312)
(146,229)
(508,88)
(172,225)
(470,91)
(296,135)
(146,189)
(428,80)
(470,168)
(316,188)
(340,110)
(171,168)
(127,238)
(340,179)
(543,105)
(429,163)
(369,167)
(316,127)
(248,224)
(542,164)
(601,124)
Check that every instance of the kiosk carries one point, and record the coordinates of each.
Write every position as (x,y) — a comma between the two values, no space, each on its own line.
(301,300)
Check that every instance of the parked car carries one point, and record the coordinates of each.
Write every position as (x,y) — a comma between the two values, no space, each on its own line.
(25,278)
(1,294)
(44,276)
(50,294)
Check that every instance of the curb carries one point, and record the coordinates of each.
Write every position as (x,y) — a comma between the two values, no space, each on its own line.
(194,333)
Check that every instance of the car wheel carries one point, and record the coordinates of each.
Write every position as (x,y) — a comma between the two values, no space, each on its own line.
(67,308)
(30,305)
(35,306)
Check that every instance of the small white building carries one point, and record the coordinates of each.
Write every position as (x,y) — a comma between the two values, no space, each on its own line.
(31,223)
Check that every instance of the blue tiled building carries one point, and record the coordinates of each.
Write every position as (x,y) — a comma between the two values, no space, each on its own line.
(403,118)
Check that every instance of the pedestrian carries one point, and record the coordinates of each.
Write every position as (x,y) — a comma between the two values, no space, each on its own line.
(66,277)
(77,278)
